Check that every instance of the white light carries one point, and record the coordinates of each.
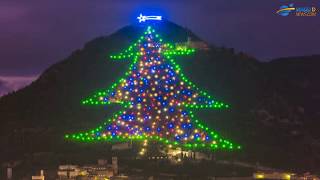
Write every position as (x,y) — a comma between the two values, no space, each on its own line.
(143,18)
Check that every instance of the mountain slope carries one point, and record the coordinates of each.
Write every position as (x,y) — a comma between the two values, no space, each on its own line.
(273,110)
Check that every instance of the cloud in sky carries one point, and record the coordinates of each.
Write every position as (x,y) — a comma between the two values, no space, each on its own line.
(13,83)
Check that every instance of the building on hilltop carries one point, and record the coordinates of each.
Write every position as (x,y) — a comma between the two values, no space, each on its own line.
(200,45)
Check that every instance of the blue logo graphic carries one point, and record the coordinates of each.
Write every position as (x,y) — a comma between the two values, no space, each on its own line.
(285,10)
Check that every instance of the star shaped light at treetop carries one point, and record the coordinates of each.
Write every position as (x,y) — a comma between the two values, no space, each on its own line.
(157,100)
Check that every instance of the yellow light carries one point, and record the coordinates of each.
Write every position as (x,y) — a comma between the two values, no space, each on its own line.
(83,173)
(259,176)
(287,176)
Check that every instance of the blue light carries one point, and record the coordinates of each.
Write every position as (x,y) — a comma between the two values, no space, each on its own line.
(143,18)
(147,128)
(184,126)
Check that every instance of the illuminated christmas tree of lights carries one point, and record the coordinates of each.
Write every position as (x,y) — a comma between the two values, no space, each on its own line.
(157,101)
